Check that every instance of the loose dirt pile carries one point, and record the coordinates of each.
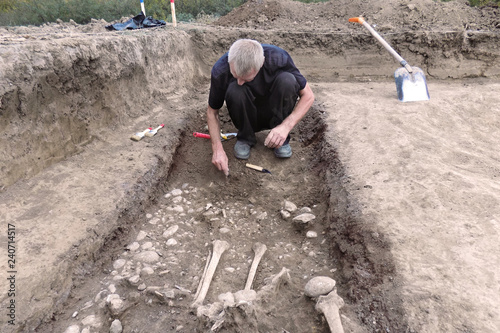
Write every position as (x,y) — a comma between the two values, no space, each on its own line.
(394,16)
(403,197)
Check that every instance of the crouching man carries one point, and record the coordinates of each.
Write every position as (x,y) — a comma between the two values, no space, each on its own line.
(260,85)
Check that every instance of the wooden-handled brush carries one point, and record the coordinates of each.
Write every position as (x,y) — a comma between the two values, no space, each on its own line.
(256,167)
(139,135)
(154,131)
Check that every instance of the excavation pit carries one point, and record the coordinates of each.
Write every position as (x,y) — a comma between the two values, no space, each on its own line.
(405,196)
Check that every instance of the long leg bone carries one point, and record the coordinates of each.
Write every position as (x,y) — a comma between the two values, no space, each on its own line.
(329,305)
(259,249)
(247,295)
(219,248)
(203,275)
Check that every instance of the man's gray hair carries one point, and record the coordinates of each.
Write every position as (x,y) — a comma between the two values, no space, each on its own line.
(246,55)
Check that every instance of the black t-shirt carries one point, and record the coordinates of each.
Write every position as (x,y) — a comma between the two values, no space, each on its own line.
(276,61)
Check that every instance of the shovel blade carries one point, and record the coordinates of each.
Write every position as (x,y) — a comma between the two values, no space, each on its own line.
(411,87)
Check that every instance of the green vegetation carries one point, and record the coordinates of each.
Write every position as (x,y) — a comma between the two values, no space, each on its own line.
(37,12)
(484,2)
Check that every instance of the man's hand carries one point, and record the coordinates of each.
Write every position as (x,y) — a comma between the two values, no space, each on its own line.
(276,137)
(219,159)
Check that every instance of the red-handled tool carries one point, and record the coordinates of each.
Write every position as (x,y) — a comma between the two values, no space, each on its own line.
(201,135)
(223,136)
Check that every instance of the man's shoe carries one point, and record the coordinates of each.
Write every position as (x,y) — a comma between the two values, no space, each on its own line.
(284,151)
(242,150)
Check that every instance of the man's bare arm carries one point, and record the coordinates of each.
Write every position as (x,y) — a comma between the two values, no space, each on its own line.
(219,157)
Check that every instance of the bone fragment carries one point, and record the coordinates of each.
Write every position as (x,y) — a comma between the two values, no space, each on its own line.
(329,305)
(259,250)
(218,249)
(227,299)
(273,283)
(244,296)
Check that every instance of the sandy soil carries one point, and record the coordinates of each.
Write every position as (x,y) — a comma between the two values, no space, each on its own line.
(111,232)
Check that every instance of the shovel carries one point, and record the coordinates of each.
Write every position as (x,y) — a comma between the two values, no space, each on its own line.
(410,81)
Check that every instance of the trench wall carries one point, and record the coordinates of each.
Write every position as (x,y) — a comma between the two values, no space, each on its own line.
(55,96)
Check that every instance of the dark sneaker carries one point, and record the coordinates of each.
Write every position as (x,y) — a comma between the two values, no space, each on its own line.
(242,150)
(284,151)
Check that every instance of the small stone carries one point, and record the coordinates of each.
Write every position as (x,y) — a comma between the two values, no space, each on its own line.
(92,321)
(141,235)
(289,206)
(229,269)
(115,304)
(74,314)
(147,271)
(89,304)
(262,216)
(85,330)
(134,280)
(319,285)
(116,327)
(112,288)
(134,246)
(176,192)
(73,329)
(224,230)
(142,287)
(177,209)
(149,257)
(305,210)
(134,296)
(119,263)
(154,221)
(171,242)
(304,218)
(146,245)
(148,216)
(177,200)
(170,231)
(285,214)
(169,294)
(311,234)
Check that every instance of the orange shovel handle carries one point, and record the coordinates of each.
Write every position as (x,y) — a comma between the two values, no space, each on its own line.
(359,20)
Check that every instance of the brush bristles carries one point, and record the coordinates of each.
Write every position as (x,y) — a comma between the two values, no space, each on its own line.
(136,137)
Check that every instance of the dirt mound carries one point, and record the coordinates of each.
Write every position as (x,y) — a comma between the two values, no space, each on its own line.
(333,15)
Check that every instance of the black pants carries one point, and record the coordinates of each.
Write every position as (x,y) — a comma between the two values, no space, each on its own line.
(251,114)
